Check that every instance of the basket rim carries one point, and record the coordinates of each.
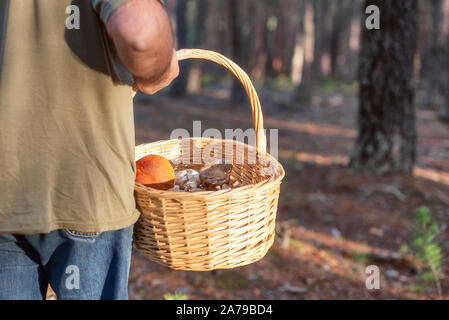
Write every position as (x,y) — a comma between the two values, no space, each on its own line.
(200,195)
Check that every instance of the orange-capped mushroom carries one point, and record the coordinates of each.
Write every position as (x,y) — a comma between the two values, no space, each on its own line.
(156,172)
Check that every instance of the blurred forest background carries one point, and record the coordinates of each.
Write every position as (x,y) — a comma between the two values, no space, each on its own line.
(301,43)
(363,135)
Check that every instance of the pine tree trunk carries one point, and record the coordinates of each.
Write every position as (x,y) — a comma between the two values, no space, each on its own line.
(323,17)
(305,37)
(298,55)
(194,83)
(340,24)
(259,50)
(444,110)
(179,86)
(348,53)
(387,130)
(240,24)
(431,65)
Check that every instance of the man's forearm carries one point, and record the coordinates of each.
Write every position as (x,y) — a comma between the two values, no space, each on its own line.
(142,35)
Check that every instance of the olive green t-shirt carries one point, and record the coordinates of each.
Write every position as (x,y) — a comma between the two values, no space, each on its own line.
(66,120)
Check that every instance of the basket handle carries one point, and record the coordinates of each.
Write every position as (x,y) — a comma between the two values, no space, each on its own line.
(261,142)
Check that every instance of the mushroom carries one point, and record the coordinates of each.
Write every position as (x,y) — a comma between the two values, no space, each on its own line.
(187,179)
(215,176)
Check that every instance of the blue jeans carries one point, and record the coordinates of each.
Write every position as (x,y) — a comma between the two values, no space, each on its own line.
(76,265)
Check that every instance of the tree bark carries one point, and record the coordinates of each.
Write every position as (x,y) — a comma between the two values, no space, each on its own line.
(386,141)
(240,26)
(258,61)
(347,57)
(323,16)
(431,62)
(195,73)
(180,84)
(339,28)
(290,38)
(305,38)
(444,110)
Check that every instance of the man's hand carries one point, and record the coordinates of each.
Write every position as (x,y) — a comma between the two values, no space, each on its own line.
(143,38)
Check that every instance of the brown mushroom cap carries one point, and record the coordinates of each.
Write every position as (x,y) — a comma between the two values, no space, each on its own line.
(216,175)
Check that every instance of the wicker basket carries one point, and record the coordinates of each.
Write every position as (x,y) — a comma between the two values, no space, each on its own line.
(212,229)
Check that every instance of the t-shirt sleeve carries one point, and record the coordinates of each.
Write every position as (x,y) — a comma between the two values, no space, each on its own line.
(119,73)
(106,7)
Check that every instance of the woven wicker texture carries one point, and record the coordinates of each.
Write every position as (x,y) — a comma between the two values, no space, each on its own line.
(212,229)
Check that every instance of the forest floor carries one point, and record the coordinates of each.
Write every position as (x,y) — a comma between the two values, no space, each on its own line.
(332,222)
